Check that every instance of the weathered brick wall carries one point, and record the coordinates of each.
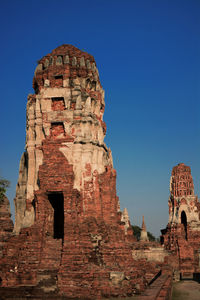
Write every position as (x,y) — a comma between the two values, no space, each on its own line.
(71,224)
(6,224)
(181,181)
(182,234)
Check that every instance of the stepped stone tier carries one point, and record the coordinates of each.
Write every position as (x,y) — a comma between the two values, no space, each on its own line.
(70,237)
(182,234)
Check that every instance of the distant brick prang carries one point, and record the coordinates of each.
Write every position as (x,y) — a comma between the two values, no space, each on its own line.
(71,238)
(182,234)
(181,183)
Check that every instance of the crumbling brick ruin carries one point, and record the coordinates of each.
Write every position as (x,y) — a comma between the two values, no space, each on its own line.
(70,237)
(182,234)
(6,224)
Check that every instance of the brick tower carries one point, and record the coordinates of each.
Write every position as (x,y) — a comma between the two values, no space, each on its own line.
(182,199)
(182,234)
(69,229)
(65,151)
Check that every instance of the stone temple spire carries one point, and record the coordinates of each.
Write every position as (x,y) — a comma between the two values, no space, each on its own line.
(68,221)
(143,236)
(181,183)
(182,233)
(182,200)
(143,224)
(64,127)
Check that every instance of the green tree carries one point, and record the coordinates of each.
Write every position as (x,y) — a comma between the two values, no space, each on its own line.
(4,184)
(136,231)
(151,236)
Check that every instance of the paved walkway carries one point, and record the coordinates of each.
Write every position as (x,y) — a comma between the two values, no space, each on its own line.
(186,290)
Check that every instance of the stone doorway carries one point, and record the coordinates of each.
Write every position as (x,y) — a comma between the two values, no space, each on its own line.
(184,222)
(57,202)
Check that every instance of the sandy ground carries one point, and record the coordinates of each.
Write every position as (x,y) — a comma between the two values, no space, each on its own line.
(186,290)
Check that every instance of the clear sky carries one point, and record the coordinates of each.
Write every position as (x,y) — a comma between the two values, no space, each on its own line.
(148,56)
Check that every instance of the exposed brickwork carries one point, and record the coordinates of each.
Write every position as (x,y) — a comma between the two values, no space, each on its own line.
(68,220)
(181,181)
(182,234)
(6,224)
(65,62)
(161,289)
(58,104)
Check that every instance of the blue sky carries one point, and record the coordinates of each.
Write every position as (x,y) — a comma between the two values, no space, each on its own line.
(148,56)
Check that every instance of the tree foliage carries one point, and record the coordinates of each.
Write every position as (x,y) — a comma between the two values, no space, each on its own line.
(4,184)
(137,232)
(151,236)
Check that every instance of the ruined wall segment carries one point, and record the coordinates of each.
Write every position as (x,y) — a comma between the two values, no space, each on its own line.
(6,224)
(71,237)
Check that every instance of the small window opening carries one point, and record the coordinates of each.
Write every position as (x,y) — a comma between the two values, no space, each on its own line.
(58,76)
(94,85)
(57,202)
(57,103)
(57,130)
(58,81)
(34,206)
(88,84)
(184,222)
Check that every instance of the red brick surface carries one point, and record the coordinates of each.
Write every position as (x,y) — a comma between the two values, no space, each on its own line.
(183,241)
(6,224)
(94,243)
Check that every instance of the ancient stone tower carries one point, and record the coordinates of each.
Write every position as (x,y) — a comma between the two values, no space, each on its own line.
(182,200)
(65,151)
(182,234)
(69,228)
